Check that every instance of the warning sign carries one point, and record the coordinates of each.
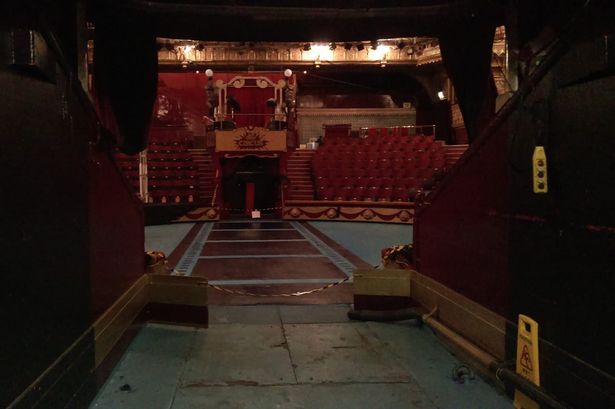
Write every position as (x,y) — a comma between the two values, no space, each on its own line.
(526,359)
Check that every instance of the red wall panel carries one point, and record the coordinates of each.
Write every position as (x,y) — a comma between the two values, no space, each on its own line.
(116,233)
(458,240)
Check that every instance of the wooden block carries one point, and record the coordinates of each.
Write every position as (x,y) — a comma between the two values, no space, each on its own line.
(385,289)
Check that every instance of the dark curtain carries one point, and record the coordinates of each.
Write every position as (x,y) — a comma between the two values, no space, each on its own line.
(467,58)
(125,78)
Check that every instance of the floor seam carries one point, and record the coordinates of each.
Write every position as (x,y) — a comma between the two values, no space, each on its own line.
(290,355)
(178,385)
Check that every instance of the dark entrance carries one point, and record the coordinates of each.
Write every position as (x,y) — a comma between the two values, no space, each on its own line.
(263,173)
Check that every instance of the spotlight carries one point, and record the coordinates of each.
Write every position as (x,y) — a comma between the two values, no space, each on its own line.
(304,72)
(209,73)
(332,46)
(347,46)
(374,44)
(288,72)
(307,47)
(360,47)
(441,95)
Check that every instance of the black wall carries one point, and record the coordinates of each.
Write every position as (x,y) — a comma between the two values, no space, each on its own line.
(563,262)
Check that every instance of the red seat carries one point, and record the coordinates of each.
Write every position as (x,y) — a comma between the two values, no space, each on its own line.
(385,194)
(326,193)
(400,194)
(371,193)
(341,193)
(357,193)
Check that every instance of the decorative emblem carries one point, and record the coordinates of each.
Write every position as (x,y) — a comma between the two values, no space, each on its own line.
(294,212)
(368,214)
(251,139)
(404,216)
(331,213)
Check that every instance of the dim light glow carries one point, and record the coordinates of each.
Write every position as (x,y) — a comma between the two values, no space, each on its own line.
(379,54)
(320,52)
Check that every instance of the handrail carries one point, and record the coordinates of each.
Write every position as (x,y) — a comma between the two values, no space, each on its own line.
(364,129)
(213,198)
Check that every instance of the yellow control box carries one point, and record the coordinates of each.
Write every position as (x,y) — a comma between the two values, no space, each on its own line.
(539,169)
(527,359)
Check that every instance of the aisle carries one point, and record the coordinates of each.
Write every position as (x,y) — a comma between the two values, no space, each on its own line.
(266,258)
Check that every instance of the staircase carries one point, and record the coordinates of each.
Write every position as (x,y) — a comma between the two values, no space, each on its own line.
(453,153)
(206,175)
(300,175)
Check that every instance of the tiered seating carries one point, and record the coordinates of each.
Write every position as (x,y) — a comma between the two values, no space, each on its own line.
(171,172)
(377,168)
(129,165)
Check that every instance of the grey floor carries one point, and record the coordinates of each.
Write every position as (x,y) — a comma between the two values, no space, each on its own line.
(292,356)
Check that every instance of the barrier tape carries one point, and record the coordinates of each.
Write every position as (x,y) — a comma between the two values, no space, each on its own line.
(174,272)
(243,210)
(295,294)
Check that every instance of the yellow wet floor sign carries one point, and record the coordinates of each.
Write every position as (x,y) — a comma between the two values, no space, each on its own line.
(527,359)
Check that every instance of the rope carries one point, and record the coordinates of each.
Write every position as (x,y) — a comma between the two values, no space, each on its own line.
(295,294)
(174,272)
(243,210)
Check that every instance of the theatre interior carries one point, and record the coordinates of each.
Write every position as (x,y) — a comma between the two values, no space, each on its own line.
(307,204)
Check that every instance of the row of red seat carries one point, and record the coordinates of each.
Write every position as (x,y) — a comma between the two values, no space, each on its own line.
(172,196)
(373,193)
(396,131)
(397,164)
(377,140)
(406,182)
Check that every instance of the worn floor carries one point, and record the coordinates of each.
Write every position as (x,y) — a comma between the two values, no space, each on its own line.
(287,356)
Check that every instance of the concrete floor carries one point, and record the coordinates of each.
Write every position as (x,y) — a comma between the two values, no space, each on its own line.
(290,357)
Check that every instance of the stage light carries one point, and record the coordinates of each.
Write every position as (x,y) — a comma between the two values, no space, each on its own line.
(288,72)
(305,72)
(360,47)
(317,63)
(209,73)
(441,95)
(332,46)
(197,72)
(347,46)
(307,47)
